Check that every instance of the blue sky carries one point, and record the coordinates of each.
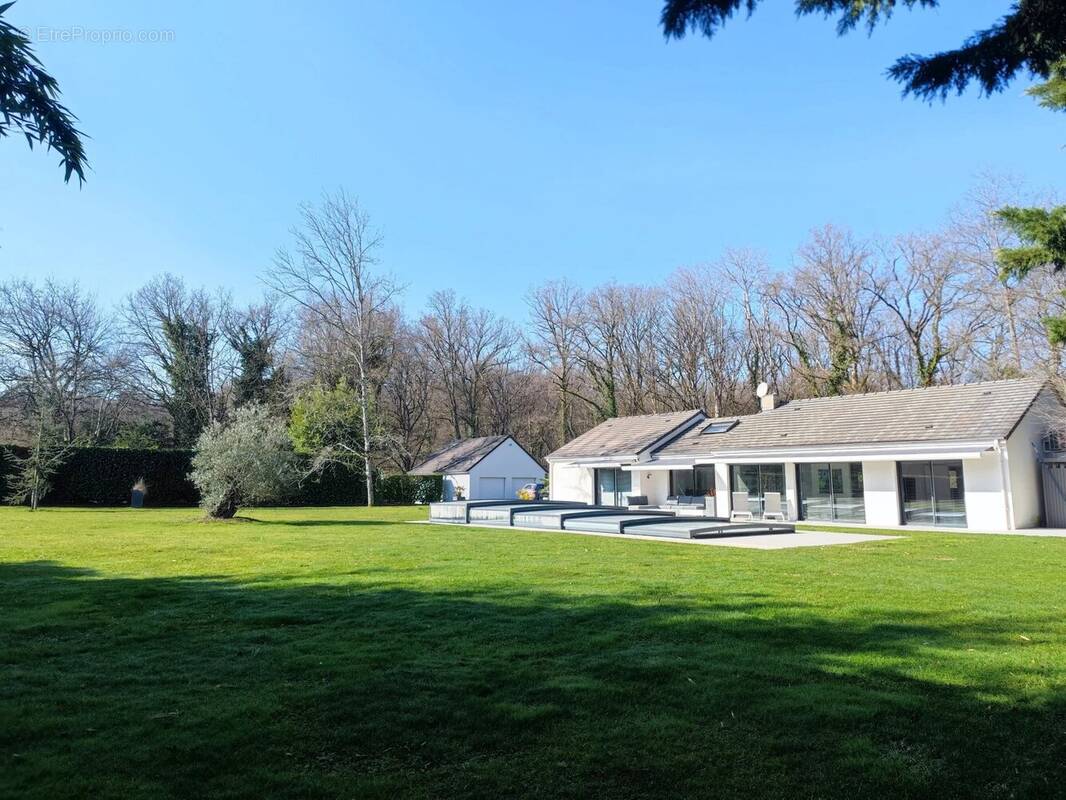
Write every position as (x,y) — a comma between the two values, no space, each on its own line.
(496,144)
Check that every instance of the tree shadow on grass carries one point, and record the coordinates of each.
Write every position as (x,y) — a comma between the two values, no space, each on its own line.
(180,687)
(324,523)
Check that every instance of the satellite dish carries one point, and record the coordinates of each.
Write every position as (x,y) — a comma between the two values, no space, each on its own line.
(762,390)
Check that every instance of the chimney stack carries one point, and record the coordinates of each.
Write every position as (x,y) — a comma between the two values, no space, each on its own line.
(767,401)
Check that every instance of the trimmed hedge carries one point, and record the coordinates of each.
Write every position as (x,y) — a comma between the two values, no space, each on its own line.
(103,476)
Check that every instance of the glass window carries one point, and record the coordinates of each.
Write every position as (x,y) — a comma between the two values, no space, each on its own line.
(756,480)
(832,491)
(933,493)
(695,482)
(613,486)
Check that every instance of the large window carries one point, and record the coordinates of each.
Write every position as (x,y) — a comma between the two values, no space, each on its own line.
(695,482)
(933,493)
(756,480)
(612,486)
(832,491)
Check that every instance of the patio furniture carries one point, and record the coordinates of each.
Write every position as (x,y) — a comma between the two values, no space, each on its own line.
(772,506)
(636,500)
(741,508)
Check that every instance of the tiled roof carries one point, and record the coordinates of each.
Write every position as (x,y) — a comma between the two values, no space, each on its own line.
(974,411)
(624,435)
(460,456)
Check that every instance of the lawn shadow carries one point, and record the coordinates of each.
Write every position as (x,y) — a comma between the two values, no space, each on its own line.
(205,686)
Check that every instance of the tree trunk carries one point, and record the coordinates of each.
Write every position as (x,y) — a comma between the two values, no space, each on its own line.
(364,413)
(226,507)
(1008,309)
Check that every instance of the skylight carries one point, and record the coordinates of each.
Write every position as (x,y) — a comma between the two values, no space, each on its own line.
(720,427)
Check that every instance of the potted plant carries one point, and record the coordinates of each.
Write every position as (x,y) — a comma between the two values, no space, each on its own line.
(137,493)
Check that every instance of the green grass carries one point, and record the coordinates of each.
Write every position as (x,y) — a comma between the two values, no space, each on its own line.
(344,653)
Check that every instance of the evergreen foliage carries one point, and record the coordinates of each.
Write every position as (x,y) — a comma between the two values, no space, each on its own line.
(1042,233)
(190,345)
(1030,38)
(29,102)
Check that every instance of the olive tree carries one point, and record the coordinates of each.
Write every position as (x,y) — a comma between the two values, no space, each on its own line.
(249,461)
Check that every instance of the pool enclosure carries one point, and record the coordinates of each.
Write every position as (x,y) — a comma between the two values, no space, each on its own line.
(583,518)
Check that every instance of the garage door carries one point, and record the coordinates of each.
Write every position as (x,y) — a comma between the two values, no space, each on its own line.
(492,489)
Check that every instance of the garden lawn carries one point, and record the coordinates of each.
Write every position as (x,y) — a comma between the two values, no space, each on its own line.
(344,652)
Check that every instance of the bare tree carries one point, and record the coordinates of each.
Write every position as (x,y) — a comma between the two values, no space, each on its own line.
(405,401)
(554,338)
(700,342)
(830,320)
(57,359)
(467,346)
(932,302)
(761,345)
(978,236)
(330,274)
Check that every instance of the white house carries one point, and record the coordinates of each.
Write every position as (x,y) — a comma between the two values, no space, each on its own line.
(486,468)
(964,456)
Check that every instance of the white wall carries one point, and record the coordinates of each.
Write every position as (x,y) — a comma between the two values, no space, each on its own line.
(723,499)
(653,483)
(881,492)
(986,501)
(791,498)
(570,482)
(461,480)
(1023,457)
(508,461)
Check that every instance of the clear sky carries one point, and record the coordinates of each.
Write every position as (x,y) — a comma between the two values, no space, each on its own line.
(496,144)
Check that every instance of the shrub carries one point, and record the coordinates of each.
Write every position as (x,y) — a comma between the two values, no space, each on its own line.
(407,489)
(248,461)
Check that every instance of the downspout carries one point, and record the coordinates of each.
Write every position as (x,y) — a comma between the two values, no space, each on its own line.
(1004,463)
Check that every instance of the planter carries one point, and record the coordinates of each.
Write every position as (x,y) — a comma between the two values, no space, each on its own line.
(709,507)
(136,499)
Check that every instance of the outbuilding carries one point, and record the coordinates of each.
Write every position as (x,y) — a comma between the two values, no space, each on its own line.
(484,468)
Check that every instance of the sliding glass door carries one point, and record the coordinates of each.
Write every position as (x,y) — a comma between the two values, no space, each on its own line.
(933,493)
(756,480)
(613,486)
(832,491)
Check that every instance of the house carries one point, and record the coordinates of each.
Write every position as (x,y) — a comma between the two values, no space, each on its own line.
(485,468)
(967,456)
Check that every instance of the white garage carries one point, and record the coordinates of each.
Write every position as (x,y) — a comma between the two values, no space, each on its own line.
(485,468)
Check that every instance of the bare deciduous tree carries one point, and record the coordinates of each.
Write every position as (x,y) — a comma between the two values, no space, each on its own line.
(331,275)
(58,361)
(555,314)
(931,300)
(467,346)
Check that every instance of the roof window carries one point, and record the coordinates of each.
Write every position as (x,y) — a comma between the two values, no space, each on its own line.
(720,427)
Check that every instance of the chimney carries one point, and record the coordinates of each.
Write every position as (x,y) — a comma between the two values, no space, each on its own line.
(767,401)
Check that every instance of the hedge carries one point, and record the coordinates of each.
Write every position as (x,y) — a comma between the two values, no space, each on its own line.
(102,476)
